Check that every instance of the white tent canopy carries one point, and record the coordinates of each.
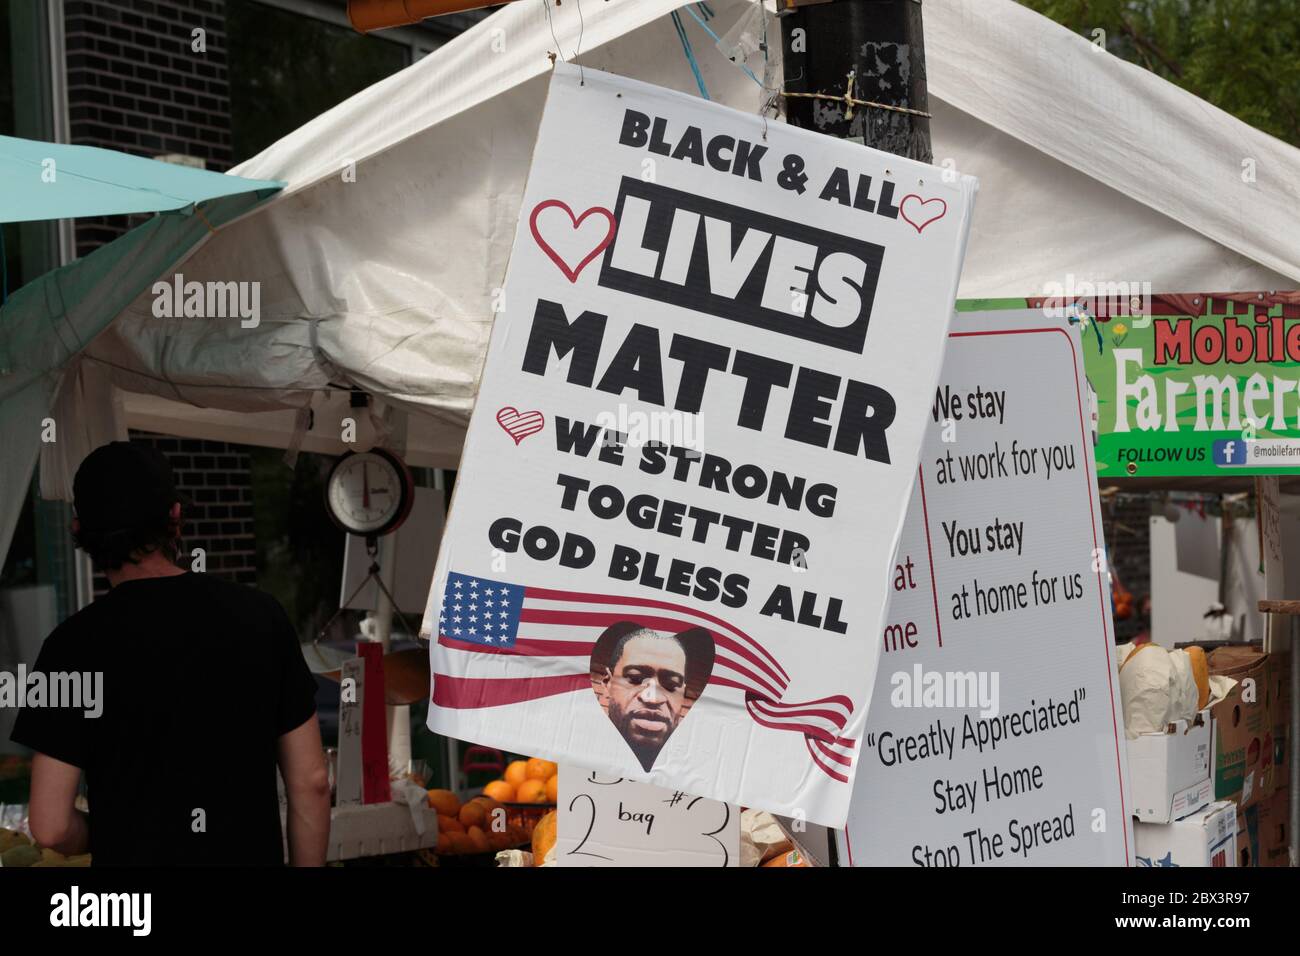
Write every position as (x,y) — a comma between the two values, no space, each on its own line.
(1089,167)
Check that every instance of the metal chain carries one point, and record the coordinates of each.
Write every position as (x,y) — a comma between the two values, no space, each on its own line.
(372,550)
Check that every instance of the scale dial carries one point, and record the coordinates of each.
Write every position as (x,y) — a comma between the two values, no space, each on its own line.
(369,493)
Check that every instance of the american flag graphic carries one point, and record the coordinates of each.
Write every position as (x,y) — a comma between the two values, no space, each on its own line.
(550,635)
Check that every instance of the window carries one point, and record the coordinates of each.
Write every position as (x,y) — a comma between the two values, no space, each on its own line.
(41,553)
(29,248)
(287,69)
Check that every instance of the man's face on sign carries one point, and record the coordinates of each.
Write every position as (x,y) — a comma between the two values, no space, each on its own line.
(647,692)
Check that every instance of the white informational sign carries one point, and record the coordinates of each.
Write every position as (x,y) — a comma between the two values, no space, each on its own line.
(1196,544)
(692,448)
(996,733)
(608,821)
(352,684)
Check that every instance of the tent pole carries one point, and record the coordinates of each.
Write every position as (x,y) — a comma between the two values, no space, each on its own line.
(879,43)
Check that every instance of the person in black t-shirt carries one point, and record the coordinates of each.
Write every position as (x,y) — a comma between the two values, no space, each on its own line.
(203,692)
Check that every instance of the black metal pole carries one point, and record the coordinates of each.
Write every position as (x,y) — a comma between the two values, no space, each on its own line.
(880,45)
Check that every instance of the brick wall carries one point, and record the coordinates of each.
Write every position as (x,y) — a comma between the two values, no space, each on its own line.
(215,477)
(136,85)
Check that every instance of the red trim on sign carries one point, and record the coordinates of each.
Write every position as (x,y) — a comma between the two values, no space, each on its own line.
(375,785)
(929,548)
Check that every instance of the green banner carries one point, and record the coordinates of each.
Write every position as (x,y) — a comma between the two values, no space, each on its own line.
(1201,384)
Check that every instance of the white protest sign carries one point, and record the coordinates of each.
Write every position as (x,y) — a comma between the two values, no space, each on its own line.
(609,821)
(692,448)
(995,735)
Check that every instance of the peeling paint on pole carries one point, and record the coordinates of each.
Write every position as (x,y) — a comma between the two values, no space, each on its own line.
(880,44)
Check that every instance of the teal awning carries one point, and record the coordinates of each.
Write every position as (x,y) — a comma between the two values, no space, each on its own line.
(46,323)
(57,181)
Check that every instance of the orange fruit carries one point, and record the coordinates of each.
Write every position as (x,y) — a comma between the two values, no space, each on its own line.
(539,769)
(544,837)
(500,790)
(516,773)
(553,789)
(531,791)
(461,843)
(472,814)
(486,802)
(444,843)
(449,825)
(479,839)
(445,802)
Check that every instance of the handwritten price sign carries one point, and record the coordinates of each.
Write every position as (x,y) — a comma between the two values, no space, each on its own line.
(609,821)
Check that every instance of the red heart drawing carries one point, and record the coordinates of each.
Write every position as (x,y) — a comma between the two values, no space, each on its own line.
(920,223)
(577,221)
(519,425)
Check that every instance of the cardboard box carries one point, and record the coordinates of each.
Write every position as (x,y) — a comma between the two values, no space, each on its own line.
(1206,838)
(1274,830)
(1243,727)
(1248,852)
(1169,773)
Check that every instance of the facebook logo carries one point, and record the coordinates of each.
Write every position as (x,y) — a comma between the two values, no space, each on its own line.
(1230,451)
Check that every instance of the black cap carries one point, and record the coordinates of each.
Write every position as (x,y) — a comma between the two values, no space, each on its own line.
(121,486)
